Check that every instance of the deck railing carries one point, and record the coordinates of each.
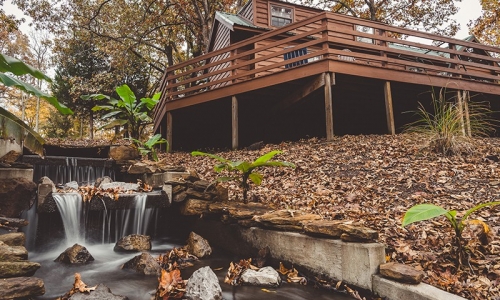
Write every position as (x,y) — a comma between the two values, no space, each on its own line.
(330,36)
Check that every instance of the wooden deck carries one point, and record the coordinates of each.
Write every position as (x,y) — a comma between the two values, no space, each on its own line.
(330,47)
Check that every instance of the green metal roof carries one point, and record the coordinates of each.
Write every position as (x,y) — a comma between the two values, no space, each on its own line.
(233,19)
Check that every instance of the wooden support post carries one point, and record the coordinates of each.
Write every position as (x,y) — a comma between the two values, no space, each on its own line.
(460,108)
(169,130)
(389,113)
(234,121)
(328,107)
(465,99)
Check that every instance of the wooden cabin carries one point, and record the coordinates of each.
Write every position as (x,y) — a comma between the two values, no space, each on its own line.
(278,71)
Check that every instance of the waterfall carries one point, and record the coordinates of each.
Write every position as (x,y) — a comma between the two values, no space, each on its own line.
(142,215)
(30,230)
(70,208)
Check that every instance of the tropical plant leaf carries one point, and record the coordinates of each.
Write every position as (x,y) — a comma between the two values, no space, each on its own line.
(12,125)
(267,156)
(126,95)
(112,124)
(422,212)
(17,67)
(470,211)
(256,178)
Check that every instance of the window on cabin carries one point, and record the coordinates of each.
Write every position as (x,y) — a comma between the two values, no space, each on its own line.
(281,16)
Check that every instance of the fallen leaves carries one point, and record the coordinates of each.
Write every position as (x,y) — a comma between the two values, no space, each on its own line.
(78,287)
(233,276)
(170,285)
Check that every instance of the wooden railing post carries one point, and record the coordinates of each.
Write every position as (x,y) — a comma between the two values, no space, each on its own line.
(234,121)
(384,44)
(388,108)
(169,130)
(324,35)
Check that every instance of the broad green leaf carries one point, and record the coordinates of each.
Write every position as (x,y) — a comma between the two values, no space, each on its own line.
(12,125)
(17,67)
(422,212)
(274,164)
(267,156)
(110,114)
(126,95)
(256,178)
(102,107)
(467,213)
(112,124)
(95,97)
(199,153)
(28,88)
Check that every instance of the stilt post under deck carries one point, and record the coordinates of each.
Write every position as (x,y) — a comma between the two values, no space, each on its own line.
(388,108)
(234,121)
(169,130)
(328,106)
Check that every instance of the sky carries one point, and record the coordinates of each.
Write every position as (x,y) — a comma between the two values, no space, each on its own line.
(469,10)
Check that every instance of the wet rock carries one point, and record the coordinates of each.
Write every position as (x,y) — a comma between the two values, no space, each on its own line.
(144,264)
(193,207)
(13,222)
(13,239)
(76,254)
(123,152)
(323,228)
(285,219)
(266,276)
(203,285)
(18,269)
(120,185)
(401,273)
(21,287)
(12,253)
(133,243)
(101,292)
(16,194)
(198,246)
(357,233)
(102,180)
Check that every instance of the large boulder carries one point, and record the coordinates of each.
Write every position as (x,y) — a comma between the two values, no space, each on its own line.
(13,239)
(133,243)
(203,285)
(144,264)
(45,189)
(101,292)
(18,268)
(16,194)
(266,276)
(198,246)
(21,287)
(123,152)
(12,253)
(76,254)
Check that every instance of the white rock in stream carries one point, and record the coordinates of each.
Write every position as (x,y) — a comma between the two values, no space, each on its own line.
(266,276)
(203,285)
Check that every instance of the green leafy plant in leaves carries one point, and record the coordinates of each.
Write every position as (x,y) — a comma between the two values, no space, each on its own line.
(149,147)
(244,169)
(447,129)
(126,111)
(426,211)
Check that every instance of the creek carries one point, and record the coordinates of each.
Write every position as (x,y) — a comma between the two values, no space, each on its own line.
(98,231)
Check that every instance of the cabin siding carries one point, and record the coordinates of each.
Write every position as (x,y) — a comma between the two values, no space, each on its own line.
(222,40)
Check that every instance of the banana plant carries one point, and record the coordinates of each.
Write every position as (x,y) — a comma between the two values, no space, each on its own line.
(148,147)
(126,110)
(245,169)
(427,211)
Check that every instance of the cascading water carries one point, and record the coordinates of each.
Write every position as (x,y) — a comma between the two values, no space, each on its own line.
(70,208)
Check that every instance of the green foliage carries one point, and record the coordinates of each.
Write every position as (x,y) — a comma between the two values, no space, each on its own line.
(449,127)
(17,67)
(12,126)
(126,110)
(423,212)
(149,147)
(245,170)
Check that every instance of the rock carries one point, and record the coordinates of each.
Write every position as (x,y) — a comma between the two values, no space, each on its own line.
(144,264)
(76,254)
(193,193)
(285,219)
(138,168)
(179,197)
(221,193)
(101,292)
(102,180)
(193,207)
(123,152)
(120,185)
(192,176)
(203,285)
(198,246)
(133,243)
(45,189)
(266,276)
(21,287)
(10,156)
(16,194)
(72,185)
(13,239)
(12,253)
(357,233)
(323,228)
(401,273)
(13,222)
(18,269)
(201,185)
(238,210)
